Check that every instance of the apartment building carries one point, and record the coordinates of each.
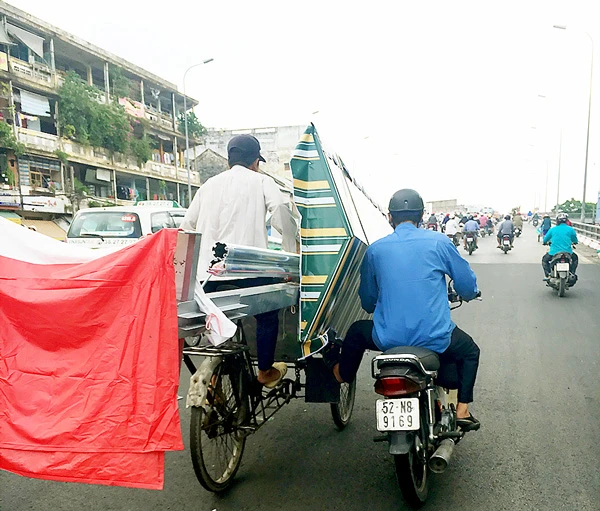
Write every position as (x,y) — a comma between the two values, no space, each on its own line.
(45,165)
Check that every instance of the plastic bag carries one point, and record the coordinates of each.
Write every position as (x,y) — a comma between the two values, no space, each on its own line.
(219,328)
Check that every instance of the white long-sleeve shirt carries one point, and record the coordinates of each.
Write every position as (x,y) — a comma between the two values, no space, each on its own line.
(231,207)
(452,227)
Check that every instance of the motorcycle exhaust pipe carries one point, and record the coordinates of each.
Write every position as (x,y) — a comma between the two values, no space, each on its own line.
(441,457)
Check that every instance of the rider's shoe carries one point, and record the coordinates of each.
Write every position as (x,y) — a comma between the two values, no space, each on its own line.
(469,423)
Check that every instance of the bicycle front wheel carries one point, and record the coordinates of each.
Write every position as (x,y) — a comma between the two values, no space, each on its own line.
(216,440)
(342,410)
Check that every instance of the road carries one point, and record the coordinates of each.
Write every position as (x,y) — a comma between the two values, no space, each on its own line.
(537,396)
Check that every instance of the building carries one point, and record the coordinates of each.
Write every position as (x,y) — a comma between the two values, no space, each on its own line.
(277,145)
(441,206)
(47,168)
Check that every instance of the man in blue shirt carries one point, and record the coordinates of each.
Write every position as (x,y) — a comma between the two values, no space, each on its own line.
(403,282)
(561,238)
(471,227)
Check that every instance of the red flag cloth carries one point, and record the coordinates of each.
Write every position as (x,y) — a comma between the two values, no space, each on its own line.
(89,363)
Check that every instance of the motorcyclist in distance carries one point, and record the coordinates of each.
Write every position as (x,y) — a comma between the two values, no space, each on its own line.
(432,222)
(471,227)
(452,228)
(518,221)
(506,227)
(561,238)
(546,224)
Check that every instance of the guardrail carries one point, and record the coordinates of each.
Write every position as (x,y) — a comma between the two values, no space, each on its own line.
(588,230)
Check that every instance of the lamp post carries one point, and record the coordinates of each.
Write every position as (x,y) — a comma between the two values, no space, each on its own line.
(587,143)
(185,122)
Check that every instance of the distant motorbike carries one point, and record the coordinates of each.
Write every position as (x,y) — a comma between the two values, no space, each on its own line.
(561,278)
(455,238)
(535,222)
(505,245)
(470,246)
(432,227)
(417,415)
(518,231)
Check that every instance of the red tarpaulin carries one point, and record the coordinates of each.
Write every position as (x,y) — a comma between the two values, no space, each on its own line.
(89,365)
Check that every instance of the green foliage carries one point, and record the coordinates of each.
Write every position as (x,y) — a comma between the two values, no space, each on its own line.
(141,149)
(62,156)
(120,85)
(88,121)
(9,141)
(99,204)
(573,206)
(195,128)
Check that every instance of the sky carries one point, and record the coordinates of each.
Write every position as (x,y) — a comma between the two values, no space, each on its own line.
(472,100)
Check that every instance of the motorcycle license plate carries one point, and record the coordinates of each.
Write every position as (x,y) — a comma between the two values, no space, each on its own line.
(506,242)
(397,414)
(469,240)
(562,267)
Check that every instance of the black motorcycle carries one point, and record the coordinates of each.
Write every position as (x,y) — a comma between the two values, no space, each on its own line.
(518,231)
(506,244)
(417,413)
(470,245)
(561,278)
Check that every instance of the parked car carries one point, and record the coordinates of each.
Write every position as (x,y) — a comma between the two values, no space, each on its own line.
(123,225)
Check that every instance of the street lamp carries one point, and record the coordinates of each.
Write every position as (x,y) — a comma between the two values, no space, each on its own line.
(187,140)
(587,143)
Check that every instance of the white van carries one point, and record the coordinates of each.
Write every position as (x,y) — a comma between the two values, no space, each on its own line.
(123,225)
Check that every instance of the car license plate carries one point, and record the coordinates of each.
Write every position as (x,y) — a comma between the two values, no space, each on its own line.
(398,414)
(562,267)
(507,242)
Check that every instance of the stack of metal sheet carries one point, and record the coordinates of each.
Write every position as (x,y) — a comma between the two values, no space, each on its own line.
(239,261)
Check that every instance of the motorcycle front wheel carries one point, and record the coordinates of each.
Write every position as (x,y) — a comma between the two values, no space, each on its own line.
(411,472)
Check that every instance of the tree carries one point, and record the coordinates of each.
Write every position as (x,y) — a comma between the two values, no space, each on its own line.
(573,207)
(195,128)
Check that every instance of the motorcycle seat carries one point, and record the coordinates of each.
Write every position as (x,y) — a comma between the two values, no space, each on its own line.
(429,359)
(560,255)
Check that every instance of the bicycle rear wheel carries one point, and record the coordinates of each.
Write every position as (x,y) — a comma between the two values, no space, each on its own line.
(342,410)
(216,440)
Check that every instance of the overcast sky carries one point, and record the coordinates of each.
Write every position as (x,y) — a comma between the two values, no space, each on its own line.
(441,96)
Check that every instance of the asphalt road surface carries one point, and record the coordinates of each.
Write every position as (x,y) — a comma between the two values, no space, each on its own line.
(537,396)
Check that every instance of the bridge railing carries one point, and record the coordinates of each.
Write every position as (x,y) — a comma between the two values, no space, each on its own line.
(588,230)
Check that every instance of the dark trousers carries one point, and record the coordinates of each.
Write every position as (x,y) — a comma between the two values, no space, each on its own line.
(267,323)
(462,352)
(546,263)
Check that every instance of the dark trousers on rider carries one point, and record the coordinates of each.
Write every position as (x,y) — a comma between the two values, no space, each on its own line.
(462,351)
(267,323)
(546,263)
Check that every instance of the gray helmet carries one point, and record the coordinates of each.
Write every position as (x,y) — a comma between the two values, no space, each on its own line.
(561,218)
(406,200)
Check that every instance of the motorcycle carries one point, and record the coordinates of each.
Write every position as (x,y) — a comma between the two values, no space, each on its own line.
(506,244)
(417,414)
(517,231)
(561,277)
(455,239)
(470,247)
(535,222)
(432,227)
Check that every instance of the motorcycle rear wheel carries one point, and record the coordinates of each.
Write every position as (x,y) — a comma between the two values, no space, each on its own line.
(411,473)
(562,284)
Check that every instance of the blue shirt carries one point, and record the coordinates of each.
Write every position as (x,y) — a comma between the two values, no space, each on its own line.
(403,282)
(562,237)
(470,226)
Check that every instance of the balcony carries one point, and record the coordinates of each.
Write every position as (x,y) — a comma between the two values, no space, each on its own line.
(38,73)
(39,141)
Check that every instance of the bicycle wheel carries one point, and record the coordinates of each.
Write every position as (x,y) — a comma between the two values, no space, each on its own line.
(342,410)
(216,441)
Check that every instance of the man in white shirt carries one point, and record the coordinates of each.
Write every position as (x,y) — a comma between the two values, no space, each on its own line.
(452,228)
(231,207)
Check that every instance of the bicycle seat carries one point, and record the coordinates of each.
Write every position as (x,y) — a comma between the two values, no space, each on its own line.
(429,359)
